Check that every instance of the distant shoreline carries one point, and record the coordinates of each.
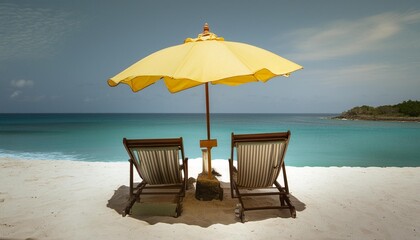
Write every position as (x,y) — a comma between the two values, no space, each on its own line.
(407,111)
(378,118)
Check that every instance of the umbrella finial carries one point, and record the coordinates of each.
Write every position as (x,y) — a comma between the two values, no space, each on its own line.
(206,30)
(205,35)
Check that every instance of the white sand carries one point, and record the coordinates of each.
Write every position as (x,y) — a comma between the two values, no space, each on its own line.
(80,200)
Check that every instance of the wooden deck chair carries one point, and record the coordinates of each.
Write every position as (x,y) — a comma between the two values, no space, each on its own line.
(260,158)
(157,161)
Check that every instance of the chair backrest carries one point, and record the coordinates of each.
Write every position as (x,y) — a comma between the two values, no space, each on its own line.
(260,157)
(157,160)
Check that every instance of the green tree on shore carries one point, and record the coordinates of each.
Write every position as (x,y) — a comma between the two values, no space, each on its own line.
(410,108)
(405,109)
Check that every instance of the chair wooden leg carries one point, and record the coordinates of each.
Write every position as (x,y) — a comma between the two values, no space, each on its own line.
(230,175)
(282,200)
(178,207)
(131,179)
(133,199)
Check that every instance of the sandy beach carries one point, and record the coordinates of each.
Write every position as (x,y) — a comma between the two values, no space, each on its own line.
(43,199)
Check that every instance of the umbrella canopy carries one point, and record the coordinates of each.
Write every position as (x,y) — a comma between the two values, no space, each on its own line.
(202,60)
(207,58)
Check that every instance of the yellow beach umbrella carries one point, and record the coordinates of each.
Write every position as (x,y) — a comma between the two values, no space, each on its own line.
(202,60)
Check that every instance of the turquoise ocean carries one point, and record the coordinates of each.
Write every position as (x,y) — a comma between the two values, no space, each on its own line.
(317,140)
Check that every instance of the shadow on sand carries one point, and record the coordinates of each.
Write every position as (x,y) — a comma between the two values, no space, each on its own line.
(206,213)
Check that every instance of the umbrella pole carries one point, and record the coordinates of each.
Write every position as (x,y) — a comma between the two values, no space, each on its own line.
(208,111)
(208,187)
(209,143)
(208,130)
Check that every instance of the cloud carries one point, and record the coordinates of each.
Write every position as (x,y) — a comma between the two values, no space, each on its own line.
(18,86)
(87,99)
(358,74)
(360,70)
(351,37)
(15,94)
(20,96)
(22,83)
(32,32)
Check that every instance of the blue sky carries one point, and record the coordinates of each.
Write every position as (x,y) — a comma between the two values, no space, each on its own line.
(56,56)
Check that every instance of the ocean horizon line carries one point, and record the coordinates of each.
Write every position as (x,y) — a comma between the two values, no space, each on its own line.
(198,113)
